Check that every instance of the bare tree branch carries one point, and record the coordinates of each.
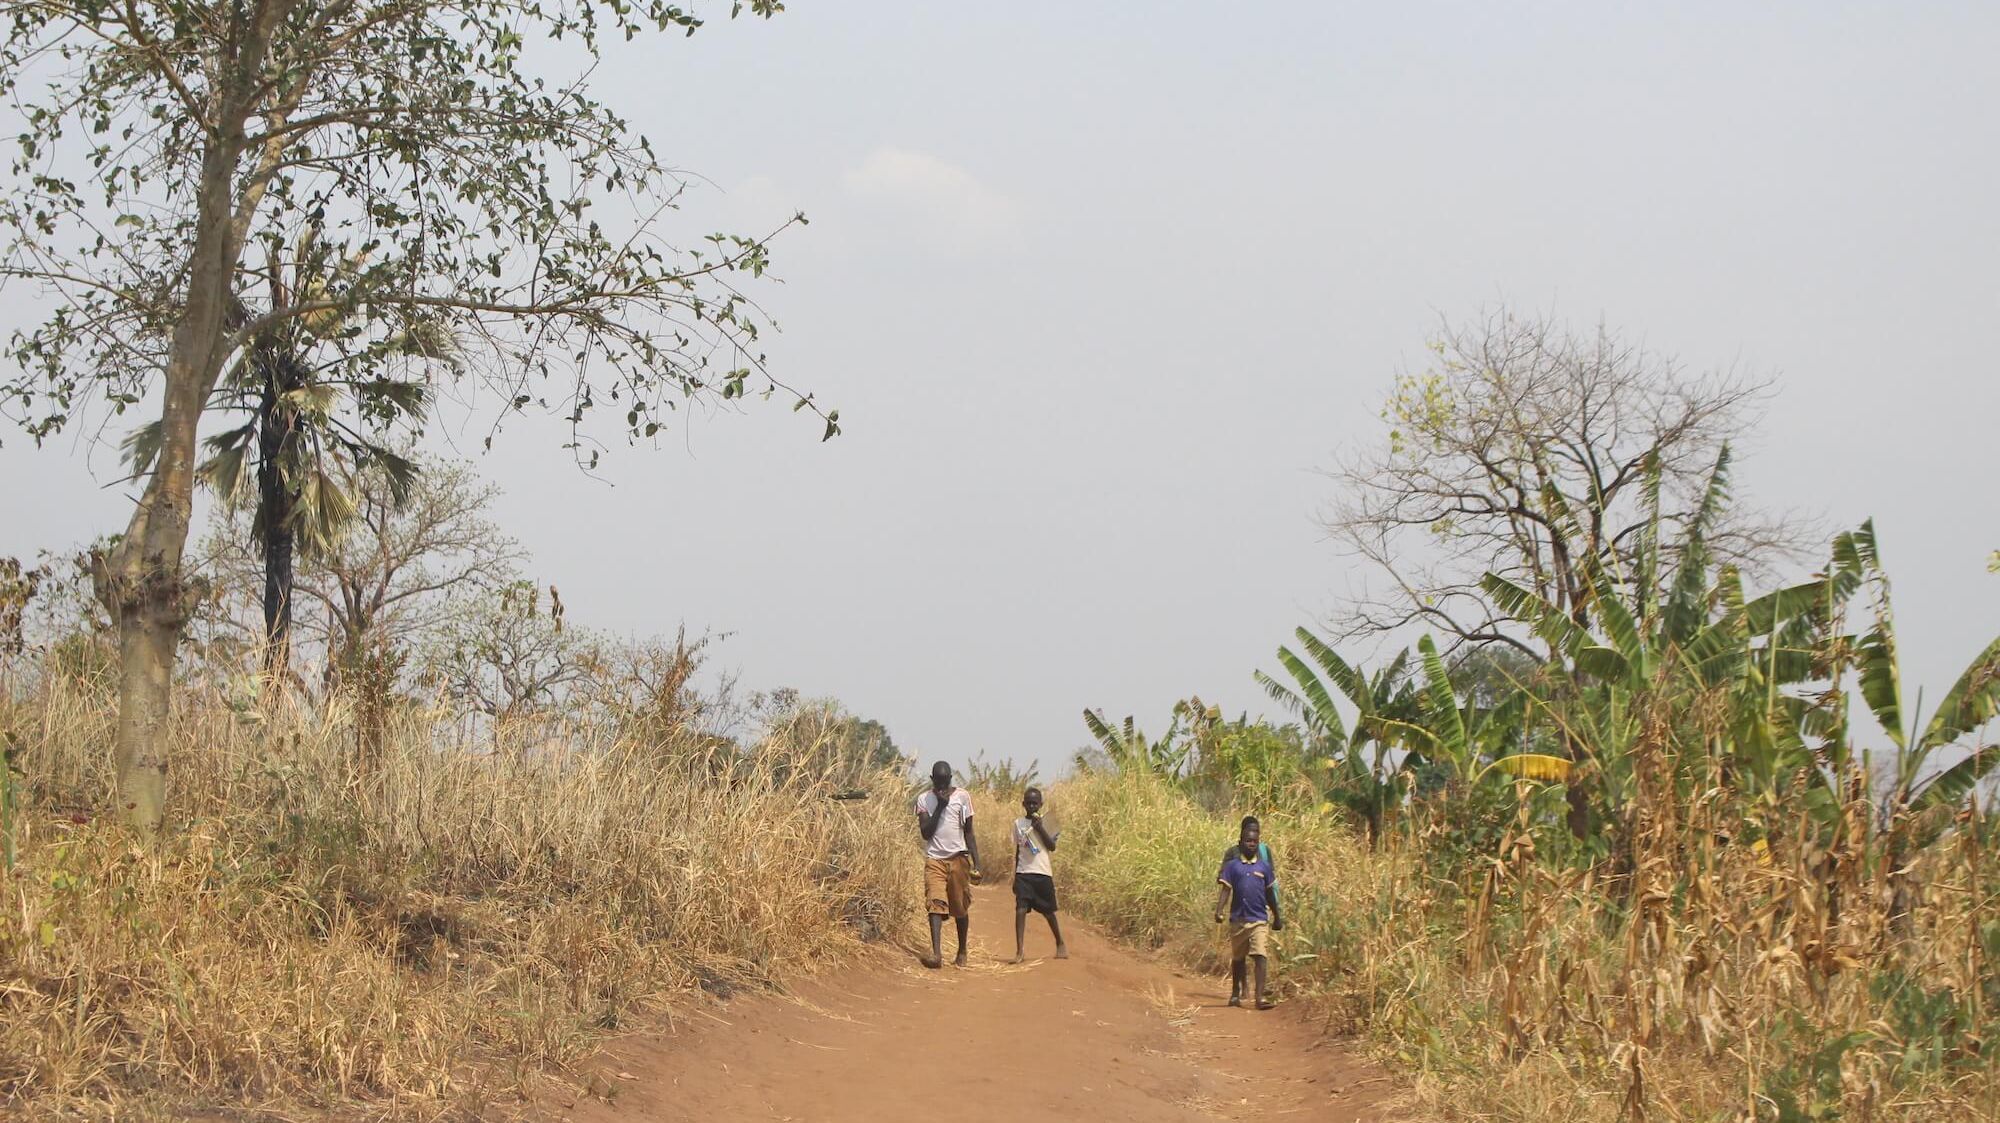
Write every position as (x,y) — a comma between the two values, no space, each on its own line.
(1525,450)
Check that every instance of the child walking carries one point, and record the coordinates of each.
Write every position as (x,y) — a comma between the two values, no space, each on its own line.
(1249,900)
(1034,876)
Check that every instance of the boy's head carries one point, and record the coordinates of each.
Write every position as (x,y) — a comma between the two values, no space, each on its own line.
(1031,800)
(940,776)
(1246,839)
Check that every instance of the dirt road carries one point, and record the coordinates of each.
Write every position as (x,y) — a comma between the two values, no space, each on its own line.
(1105,1036)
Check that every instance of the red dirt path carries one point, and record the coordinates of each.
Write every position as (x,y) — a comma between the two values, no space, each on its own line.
(1105,1036)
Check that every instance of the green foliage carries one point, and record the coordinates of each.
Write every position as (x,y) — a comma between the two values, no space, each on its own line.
(1129,749)
(1002,778)
(820,737)
(1937,1027)
(1252,765)
(1807,1087)
(1223,763)
(403,186)
(1364,772)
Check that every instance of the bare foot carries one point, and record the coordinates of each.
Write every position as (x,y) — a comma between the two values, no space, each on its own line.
(958,960)
(1266,1004)
(1017,959)
(1062,952)
(931,961)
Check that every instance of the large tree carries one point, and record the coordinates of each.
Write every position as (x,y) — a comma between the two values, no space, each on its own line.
(1531,451)
(160,141)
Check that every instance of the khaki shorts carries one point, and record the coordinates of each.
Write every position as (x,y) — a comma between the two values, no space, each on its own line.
(948,885)
(1252,938)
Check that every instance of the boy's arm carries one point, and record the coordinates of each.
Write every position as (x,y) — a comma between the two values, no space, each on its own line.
(972,847)
(1048,840)
(1222,905)
(928,823)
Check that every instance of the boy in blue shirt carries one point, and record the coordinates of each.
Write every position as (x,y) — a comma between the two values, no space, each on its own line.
(1249,901)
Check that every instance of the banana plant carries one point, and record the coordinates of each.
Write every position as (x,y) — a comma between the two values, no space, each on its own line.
(1459,735)
(1368,773)
(1130,749)
(1923,793)
(1704,634)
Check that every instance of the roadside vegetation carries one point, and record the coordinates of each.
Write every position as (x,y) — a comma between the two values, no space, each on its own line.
(1645,839)
(423,879)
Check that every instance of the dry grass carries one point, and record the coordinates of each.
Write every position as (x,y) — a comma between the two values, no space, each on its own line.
(424,933)
(1721,983)
(993,815)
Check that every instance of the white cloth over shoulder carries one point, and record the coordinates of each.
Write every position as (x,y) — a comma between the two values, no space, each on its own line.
(950,836)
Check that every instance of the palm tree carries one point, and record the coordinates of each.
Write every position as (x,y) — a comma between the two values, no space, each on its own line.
(290,387)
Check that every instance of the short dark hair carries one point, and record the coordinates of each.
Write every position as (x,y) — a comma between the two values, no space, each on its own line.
(1248,822)
(1032,790)
(940,771)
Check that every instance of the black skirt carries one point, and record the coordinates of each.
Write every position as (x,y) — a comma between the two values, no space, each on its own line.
(1036,891)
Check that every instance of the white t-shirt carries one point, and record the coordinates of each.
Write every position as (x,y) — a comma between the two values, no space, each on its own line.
(950,836)
(1030,856)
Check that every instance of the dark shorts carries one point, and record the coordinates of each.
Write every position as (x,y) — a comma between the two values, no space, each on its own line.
(1036,891)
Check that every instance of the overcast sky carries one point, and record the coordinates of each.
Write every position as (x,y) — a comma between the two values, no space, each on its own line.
(1097,287)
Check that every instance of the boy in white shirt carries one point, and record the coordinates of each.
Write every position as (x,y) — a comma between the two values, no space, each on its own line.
(1034,877)
(951,860)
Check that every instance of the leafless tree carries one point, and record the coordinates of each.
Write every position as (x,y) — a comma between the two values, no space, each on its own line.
(501,655)
(401,567)
(394,574)
(650,690)
(1528,450)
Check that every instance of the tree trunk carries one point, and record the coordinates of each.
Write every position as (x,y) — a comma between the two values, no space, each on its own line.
(140,582)
(149,610)
(277,600)
(277,500)
(141,586)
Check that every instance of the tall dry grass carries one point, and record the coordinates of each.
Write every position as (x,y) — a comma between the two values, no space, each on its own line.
(1720,983)
(429,931)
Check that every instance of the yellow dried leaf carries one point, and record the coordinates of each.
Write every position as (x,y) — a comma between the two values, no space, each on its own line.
(1536,766)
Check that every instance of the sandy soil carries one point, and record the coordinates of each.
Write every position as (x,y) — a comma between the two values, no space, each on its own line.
(1105,1036)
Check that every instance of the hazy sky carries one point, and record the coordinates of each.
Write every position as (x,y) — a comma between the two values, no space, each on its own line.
(1097,287)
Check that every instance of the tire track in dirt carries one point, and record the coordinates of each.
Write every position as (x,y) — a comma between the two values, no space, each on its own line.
(1106,1035)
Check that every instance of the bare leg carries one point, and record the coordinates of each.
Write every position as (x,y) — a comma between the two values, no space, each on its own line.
(1062,949)
(1020,932)
(964,923)
(936,957)
(1236,982)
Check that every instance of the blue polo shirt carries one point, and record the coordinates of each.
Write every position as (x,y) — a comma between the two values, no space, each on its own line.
(1248,883)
